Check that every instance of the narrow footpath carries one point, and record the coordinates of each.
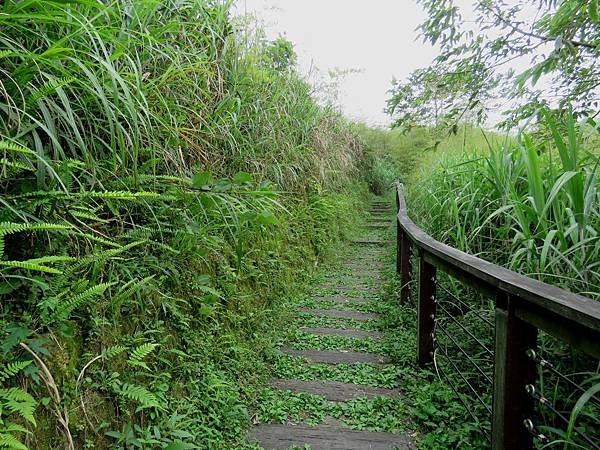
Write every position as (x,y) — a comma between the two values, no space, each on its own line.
(336,388)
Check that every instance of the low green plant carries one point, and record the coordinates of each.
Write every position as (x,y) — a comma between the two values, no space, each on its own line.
(14,403)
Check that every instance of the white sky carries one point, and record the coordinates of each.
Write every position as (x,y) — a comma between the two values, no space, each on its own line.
(377,37)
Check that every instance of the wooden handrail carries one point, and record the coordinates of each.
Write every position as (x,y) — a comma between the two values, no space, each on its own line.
(522,307)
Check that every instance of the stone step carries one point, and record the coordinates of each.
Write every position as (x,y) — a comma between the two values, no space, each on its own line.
(334,391)
(350,333)
(341,314)
(326,437)
(337,356)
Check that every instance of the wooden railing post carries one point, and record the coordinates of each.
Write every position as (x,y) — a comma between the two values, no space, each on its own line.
(513,371)
(426,313)
(398,248)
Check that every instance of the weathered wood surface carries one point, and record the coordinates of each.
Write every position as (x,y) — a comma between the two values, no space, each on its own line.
(341,299)
(372,242)
(323,437)
(361,275)
(378,225)
(334,390)
(340,288)
(340,314)
(351,333)
(337,356)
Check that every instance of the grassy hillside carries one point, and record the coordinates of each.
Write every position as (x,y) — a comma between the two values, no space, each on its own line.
(395,155)
(166,179)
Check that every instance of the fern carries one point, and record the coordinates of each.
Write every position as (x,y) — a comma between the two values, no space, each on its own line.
(15,165)
(12,369)
(111,352)
(7,228)
(130,288)
(63,309)
(102,195)
(29,266)
(48,88)
(96,258)
(14,401)
(88,216)
(14,427)
(8,146)
(9,441)
(138,394)
(97,239)
(139,353)
(19,402)
(51,259)
(118,195)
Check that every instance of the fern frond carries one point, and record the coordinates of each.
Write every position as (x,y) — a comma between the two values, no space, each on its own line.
(7,228)
(96,258)
(64,309)
(88,216)
(113,351)
(48,88)
(19,402)
(139,353)
(131,287)
(138,394)
(29,266)
(15,148)
(8,53)
(51,259)
(11,427)
(15,165)
(98,239)
(12,369)
(118,195)
(11,442)
(11,227)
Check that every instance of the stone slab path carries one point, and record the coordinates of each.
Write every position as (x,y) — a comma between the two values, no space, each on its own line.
(352,289)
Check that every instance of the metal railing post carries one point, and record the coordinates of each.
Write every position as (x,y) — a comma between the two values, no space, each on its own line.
(513,371)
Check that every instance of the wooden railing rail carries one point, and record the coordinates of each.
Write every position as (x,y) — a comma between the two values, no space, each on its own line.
(522,307)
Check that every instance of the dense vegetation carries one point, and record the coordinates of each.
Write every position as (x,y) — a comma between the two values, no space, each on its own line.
(168,183)
(166,180)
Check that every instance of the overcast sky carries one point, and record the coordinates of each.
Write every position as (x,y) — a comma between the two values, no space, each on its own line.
(377,37)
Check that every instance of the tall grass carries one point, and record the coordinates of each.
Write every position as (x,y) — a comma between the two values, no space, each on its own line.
(165,176)
(393,155)
(531,206)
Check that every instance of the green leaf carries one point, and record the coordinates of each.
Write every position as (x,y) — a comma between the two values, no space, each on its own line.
(202,180)
(593,10)
(267,218)
(222,186)
(179,446)
(585,397)
(205,310)
(248,216)
(242,177)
